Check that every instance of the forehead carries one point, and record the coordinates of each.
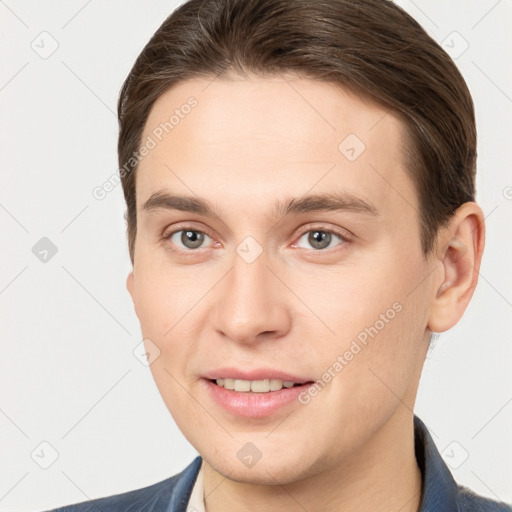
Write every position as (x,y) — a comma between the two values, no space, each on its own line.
(266,135)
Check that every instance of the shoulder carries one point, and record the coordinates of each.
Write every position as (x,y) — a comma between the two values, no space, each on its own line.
(171,494)
(138,499)
(469,501)
(440,490)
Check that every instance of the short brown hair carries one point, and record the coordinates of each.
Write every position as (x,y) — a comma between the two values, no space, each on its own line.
(372,47)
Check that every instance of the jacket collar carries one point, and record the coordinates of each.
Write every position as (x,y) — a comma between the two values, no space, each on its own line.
(182,490)
(439,489)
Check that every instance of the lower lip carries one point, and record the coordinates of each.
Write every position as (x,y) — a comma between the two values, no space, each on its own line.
(254,405)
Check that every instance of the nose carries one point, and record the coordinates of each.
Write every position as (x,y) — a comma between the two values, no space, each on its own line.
(252,303)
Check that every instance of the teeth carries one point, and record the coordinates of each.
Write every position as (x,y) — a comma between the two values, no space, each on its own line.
(276,385)
(242,385)
(256,386)
(260,386)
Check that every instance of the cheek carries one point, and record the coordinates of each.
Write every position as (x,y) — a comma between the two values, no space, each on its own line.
(173,306)
(347,300)
(378,319)
(166,299)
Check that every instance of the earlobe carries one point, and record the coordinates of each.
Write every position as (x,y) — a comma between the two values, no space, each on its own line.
(460,258)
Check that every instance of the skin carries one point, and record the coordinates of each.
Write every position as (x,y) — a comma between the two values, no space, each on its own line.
(248,143)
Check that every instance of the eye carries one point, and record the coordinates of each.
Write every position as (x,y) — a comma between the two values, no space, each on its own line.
(188,238)
(320,239)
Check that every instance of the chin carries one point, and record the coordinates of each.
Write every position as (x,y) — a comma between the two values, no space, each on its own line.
(273,468)
(275,473)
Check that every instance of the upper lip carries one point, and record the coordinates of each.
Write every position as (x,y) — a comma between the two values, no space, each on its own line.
(256,374)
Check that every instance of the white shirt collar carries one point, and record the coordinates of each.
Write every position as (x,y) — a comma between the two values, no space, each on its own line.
(196,502)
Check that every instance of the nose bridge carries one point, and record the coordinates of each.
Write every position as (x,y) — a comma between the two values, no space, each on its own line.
(251,304)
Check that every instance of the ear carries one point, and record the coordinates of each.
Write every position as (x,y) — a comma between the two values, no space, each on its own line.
(130,285)
(460,251)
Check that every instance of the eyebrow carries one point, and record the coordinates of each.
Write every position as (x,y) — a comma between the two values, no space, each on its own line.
(335,201)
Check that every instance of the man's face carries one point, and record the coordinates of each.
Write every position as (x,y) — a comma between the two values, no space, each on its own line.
(311,293)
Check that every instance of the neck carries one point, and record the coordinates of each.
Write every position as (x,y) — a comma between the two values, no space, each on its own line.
(382,475)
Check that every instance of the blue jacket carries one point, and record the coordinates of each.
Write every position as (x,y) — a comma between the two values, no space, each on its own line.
(440,491)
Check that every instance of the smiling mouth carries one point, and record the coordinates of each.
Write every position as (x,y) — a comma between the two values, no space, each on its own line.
(256,386)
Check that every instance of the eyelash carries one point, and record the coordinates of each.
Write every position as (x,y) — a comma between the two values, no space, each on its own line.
(343,236)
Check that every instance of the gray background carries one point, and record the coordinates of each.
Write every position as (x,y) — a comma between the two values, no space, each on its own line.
(69,377)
